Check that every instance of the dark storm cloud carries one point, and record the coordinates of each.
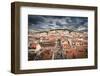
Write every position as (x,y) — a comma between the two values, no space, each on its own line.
(57,22)
(55,17)
(35,19)
(77,20)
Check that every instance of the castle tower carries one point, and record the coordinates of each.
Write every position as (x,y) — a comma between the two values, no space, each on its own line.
(58,52)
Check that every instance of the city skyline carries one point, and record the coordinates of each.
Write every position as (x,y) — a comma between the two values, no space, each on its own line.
(57,37)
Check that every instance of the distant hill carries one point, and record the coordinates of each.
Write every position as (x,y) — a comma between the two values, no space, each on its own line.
(70,30)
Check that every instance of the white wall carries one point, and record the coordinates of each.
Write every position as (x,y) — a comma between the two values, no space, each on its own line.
(5,30)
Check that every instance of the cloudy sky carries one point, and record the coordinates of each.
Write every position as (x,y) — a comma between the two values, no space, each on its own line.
(42,22)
